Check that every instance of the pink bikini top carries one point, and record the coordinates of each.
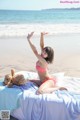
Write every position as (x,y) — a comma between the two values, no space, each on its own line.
(39,68)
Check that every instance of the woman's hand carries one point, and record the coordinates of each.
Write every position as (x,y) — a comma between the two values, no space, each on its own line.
(44,33)
(30,35)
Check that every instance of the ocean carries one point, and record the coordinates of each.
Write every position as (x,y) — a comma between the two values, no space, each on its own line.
(62,26)
(19,23)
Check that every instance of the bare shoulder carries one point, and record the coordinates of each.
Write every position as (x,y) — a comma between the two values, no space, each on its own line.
(42,62)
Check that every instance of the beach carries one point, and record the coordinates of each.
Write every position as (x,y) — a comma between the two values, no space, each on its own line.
(63,27)
(16,53)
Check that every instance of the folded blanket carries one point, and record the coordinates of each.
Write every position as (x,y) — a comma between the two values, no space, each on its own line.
(9,97)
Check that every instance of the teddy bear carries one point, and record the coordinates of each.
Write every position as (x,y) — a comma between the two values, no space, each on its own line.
(14,79)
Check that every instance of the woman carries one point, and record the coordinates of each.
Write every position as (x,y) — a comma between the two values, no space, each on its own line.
(47,84)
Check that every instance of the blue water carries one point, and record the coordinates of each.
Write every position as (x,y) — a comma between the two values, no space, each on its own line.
(43,16)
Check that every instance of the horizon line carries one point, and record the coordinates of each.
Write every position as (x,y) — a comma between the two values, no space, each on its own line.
(41,9)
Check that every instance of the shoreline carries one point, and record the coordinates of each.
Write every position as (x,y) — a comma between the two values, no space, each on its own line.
(16,53)
(21,30)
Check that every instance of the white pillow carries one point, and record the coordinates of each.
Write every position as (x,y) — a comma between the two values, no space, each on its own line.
(60,78)
(33,75)
(28,74)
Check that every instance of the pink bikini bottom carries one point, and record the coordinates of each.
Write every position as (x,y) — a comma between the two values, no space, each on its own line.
(48,78)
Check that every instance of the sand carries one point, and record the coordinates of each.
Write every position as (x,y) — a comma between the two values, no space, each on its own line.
(15,53)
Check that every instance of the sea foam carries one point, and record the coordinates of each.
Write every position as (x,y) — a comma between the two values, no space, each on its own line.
(13,30)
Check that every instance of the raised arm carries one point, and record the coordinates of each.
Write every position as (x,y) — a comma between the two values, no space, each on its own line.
(35,50)
(42,40)
(30,43)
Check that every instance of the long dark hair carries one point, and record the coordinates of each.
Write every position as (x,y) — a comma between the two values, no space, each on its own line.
(50,53)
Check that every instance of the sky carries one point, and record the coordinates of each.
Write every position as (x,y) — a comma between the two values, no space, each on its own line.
(37,4)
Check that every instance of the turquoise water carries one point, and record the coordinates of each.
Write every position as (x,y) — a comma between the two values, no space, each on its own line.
(20,23)
(43,16)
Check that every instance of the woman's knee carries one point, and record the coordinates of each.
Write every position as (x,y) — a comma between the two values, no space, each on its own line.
(43,88)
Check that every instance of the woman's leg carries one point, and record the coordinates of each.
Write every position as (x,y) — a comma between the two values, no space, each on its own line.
(49,87)
(46,87)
